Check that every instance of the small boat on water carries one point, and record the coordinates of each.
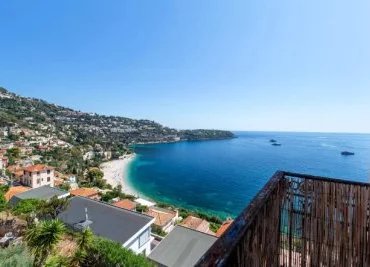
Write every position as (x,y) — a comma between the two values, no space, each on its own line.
(276,144)
(273,141)
(347,153)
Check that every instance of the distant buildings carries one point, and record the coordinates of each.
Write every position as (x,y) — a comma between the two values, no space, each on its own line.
(86,192)
(38,175)
(126,227)
(198,224)
(125,204)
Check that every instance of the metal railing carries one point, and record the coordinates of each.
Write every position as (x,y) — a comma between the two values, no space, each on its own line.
(299,220)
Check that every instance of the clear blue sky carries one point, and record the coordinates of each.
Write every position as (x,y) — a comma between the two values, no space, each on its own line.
(241,65)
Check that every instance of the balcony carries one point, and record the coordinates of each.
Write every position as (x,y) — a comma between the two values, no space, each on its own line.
(299,220)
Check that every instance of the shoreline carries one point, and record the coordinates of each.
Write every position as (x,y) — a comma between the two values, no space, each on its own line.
(115,173)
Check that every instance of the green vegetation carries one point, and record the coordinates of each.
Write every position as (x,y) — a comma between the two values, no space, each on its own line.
(50,209)
(26,207)
(94,177)
(42,239)
(15,256)
(158,231)
(116,192)
(86,129)
(44,210)
(215,222)
(141,208)
(13,154)
(3,203)
(104,252)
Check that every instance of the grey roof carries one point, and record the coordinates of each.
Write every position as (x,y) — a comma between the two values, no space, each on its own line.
(43,193)
(182,247)
(104,219)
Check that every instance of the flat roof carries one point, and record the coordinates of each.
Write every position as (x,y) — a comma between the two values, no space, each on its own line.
(43,193)
(106,220)
(182,247)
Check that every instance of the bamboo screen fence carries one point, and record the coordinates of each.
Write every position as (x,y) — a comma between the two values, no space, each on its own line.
(299,220)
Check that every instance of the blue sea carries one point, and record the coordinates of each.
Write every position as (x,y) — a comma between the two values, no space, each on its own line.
(221,177)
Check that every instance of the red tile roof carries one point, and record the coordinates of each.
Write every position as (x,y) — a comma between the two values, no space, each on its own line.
(125,204)
(225,225)
(15,190)
(162,216)
(198,224)
(84,192)
(37,168)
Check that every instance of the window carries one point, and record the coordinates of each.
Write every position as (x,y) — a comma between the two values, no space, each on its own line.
(38,173)
(144,238)
(48,171)
(38,180)
(48,179)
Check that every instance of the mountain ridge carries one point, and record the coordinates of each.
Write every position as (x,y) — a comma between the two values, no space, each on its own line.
(77,127)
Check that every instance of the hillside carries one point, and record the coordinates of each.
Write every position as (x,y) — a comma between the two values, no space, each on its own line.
(81,128)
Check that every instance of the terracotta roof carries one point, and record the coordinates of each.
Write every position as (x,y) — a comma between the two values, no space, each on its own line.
(14,168)
(15,190)
(84,192)
(198,224)
(162,216)
(125,204)
(37,168)
(225,225)
(192,222)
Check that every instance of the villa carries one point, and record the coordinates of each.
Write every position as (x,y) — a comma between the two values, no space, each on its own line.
(38,175)
(197,224)
(131,229)
(165,219)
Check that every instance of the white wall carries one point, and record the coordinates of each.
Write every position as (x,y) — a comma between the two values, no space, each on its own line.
(31,180)
(141,247)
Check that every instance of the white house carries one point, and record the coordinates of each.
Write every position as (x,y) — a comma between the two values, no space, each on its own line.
(38,175)
(129,228)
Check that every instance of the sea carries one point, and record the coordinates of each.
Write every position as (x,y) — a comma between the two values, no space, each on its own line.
(220,177)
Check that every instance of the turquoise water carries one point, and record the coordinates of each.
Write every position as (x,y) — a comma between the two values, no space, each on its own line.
(221,177)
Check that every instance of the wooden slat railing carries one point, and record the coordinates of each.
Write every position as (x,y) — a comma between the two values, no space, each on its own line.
(299,220)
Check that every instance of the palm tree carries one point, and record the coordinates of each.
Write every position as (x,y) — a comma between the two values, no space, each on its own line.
(42,239)
(84,241)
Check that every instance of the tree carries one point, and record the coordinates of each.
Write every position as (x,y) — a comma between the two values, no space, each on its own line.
(105,252)
(95,177)
(42,239)
(26,207)
(84,242)
(3,203)
(50,209)
(13,154)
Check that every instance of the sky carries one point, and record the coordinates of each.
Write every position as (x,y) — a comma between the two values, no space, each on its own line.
(288,65)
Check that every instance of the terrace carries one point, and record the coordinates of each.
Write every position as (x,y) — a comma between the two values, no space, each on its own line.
(299,220)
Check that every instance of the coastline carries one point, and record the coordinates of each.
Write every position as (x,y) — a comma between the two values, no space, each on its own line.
(115,173)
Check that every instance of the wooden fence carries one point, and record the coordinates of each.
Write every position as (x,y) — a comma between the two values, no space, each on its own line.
(299,220)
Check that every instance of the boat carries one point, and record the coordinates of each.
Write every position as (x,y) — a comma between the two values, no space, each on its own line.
(347,153)
(276,144)
(273,141)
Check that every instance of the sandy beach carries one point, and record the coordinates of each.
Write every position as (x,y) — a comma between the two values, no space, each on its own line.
(115,171)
